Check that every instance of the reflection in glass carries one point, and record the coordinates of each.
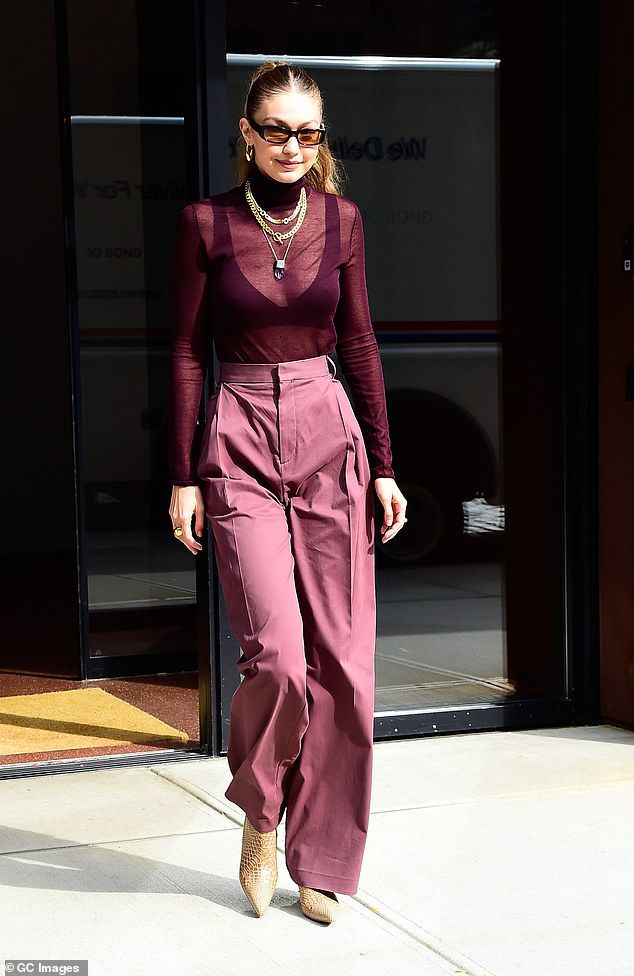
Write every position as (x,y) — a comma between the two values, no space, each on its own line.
(422,162)
(127,93)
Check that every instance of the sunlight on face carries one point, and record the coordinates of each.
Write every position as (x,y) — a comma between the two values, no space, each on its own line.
(295,110)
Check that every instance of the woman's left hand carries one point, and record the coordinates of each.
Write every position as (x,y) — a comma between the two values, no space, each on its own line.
(394,504)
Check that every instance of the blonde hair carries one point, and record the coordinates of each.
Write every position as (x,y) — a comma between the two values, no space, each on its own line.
(268,79)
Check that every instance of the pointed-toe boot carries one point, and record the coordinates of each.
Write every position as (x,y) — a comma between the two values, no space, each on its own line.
(320,905)
(258,866)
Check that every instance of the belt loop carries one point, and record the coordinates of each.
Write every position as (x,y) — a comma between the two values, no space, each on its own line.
(333,366)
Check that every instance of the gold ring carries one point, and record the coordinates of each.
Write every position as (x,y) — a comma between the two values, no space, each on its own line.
(178,531)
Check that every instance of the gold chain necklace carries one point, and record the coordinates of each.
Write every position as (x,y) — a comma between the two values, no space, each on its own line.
(279,266)
(255,206)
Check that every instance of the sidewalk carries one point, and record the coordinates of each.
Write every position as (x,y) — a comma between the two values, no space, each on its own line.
(489,853)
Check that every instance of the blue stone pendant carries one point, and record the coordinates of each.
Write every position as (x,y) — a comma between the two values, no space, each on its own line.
(278,267)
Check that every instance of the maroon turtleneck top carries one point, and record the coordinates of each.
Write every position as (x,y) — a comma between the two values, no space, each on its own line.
(224,289)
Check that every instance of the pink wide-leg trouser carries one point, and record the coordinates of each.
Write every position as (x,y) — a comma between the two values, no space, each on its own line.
(286,483)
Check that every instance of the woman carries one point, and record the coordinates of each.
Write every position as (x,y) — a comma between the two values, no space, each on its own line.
(284,473)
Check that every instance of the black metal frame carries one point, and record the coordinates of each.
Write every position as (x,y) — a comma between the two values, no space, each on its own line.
(211,87)
(580,379)
(68,197)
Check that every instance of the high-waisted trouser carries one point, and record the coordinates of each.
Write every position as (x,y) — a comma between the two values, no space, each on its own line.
(286,483)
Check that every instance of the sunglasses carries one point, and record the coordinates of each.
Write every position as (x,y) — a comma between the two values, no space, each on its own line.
(279,134)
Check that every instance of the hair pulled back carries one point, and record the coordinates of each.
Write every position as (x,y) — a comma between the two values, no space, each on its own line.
(271,78)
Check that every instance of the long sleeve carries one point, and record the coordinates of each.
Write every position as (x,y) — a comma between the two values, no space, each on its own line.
(358,352)
(190,345)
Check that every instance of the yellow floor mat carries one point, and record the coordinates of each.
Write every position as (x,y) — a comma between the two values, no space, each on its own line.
(78,719)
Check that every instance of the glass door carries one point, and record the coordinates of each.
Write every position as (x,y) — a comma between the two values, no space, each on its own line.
(131,77)
(421,120)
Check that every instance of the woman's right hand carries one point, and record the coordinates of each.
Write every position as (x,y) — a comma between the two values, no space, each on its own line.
(186,501)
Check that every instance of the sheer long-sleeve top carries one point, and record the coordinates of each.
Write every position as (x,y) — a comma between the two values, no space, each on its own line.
(224,291)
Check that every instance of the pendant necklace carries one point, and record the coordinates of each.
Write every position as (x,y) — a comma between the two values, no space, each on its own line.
(279,265)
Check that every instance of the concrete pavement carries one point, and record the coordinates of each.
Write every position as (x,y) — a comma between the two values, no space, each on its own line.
(488,854)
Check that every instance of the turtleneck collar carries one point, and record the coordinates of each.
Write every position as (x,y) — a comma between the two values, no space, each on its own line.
(270,192)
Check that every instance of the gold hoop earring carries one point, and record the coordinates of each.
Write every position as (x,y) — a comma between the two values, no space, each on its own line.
(249,152)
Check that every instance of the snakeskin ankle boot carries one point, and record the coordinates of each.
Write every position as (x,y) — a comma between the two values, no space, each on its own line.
(320,905)
(258,866)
